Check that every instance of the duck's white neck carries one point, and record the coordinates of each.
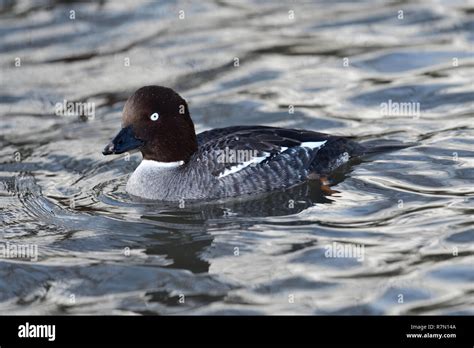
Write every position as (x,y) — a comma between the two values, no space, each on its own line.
(150,164)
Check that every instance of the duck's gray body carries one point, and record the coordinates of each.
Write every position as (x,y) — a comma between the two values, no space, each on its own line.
(280,158)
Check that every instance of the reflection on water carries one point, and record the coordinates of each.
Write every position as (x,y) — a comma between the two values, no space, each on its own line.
(242,62)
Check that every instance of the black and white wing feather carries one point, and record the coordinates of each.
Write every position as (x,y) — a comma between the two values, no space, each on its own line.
(230,150)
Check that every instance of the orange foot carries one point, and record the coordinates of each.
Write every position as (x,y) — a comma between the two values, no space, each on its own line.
(324,182)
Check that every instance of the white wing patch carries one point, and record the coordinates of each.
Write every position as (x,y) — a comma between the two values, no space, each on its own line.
(243,165)
(310,144)
(313,144)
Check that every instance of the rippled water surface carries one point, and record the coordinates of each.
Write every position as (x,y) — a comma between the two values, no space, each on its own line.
(239,62)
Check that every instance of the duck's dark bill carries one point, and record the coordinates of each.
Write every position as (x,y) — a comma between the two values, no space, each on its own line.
(124,141)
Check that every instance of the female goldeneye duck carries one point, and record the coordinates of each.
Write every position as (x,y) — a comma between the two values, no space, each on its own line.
(218,163)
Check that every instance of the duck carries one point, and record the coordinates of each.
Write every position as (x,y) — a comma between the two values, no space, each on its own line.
(178,164)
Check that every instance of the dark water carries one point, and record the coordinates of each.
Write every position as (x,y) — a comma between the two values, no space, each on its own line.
(98,251)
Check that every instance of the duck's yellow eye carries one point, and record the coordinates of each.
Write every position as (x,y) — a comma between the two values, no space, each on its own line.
(154,116)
